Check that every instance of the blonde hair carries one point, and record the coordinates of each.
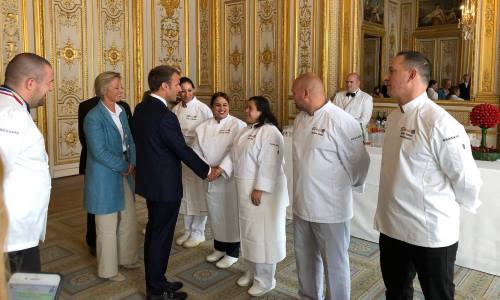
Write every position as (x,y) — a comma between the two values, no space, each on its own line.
(103,80)
(3,233)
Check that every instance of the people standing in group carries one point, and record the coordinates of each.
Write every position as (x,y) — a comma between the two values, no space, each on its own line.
(465,87)
(445,89)
(83,109)
(109,180)
(27,184)
(356,102)
(160,149)
(329,161)
(454,94)
(256,162)
(191,112)
(213,141)
(427,174)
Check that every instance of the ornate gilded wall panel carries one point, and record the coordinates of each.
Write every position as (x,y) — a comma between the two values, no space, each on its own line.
(448,59)
(113,44)
(332,38)
(12,35)
(306,20)
(428,48)
(66,32)
(206,41)
(170,33)
(406,26)
(371,71)
(267,58)
(235,56)
(393,32)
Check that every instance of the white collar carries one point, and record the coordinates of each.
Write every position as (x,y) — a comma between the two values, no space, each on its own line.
(410,106)
(159,98)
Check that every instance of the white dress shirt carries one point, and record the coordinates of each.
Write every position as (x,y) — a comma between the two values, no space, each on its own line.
(427,173)
(329,159)
(27,182)
(359,106)
(115,116)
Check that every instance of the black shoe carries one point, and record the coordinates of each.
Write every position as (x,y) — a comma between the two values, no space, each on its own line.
(168,296)
(173,286)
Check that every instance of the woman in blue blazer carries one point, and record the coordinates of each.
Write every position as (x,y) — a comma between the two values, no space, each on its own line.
(109,182)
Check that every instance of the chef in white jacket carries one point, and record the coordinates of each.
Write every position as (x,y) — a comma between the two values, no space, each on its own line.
(213,141)
(329,160)
(191,112)
(256,162)
(26,188)
(427,173)
(356,102)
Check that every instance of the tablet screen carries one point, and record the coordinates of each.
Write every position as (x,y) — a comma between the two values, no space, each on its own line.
(32,292)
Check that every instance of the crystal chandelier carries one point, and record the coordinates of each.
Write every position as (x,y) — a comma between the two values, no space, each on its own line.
(466,22)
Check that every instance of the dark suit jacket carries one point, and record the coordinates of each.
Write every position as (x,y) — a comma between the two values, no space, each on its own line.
(160,148)
(464,91)
(83,110)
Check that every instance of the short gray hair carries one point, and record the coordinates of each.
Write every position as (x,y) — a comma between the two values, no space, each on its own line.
(417,61)
(103,80)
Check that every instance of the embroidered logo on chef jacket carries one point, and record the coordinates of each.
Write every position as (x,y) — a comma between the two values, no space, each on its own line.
(357,137)
(251,137)
(406,133)
(318,131)
(275,146)
(225,131)
(450,138)
(8,131)
(192,117)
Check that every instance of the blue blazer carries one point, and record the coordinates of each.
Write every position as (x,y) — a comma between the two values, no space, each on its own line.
(160,150)
(103,193)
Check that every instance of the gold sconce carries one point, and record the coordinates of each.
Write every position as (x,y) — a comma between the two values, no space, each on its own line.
(468,18)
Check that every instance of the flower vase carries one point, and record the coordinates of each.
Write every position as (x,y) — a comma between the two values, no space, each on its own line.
(484,131)
(483,152)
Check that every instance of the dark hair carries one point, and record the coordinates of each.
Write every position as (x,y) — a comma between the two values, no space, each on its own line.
(266,116)
(217,95)
(23,66)
(418,61)
(431,83)
(159,75)
(185,79)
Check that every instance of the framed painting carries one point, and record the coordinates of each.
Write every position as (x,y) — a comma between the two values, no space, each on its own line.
(373,11)
(438,12)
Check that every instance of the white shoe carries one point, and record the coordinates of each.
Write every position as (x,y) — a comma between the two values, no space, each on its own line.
(118,277)
(184,237)
(256,290)
(226,262)
(245,279)
(193,241)
(215,256)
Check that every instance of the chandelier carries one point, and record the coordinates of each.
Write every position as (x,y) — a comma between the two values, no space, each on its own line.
(467,19)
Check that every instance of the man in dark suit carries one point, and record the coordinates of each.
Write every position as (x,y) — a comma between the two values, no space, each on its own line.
(83,109)
(160,149)
(465,87)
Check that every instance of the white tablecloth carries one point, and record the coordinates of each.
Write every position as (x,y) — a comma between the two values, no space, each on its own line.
(479,245)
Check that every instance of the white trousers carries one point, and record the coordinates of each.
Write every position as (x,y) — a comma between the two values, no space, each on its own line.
(195,224)
(116,241)
(263,274)
(322,248)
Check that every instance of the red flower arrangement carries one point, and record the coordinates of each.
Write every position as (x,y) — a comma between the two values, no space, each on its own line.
(485,116)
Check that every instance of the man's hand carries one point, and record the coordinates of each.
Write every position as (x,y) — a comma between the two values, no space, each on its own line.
(130,171)
(255,196)
(216,172)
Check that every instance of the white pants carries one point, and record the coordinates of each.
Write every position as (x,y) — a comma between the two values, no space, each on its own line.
(322,247)
(195,224)
(263,274)
(117,237)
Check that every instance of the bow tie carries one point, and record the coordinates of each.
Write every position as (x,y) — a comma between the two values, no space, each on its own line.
(350,94)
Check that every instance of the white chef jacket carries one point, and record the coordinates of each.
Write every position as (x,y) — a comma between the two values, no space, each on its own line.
(27,181)
(329,159)
(213,141)
(427,173)
(257,157)
(194,189)
(360,107)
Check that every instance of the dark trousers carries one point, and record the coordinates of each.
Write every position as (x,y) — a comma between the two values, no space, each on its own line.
(400,262)
(231,249)
(91,235)
(162,217)
(27,260)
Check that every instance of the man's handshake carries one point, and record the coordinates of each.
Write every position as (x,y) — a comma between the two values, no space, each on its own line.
(214,174)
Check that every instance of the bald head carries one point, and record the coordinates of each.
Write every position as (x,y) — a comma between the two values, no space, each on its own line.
(352,82)
(308,92)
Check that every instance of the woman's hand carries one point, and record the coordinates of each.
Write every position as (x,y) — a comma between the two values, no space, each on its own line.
(255,196)
(130,170)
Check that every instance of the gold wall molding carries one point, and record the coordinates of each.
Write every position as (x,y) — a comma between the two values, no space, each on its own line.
(332,38)
(138,54)
(406,26)
(205,52)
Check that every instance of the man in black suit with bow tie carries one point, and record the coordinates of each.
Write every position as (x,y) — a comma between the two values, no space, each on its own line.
(160,149)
